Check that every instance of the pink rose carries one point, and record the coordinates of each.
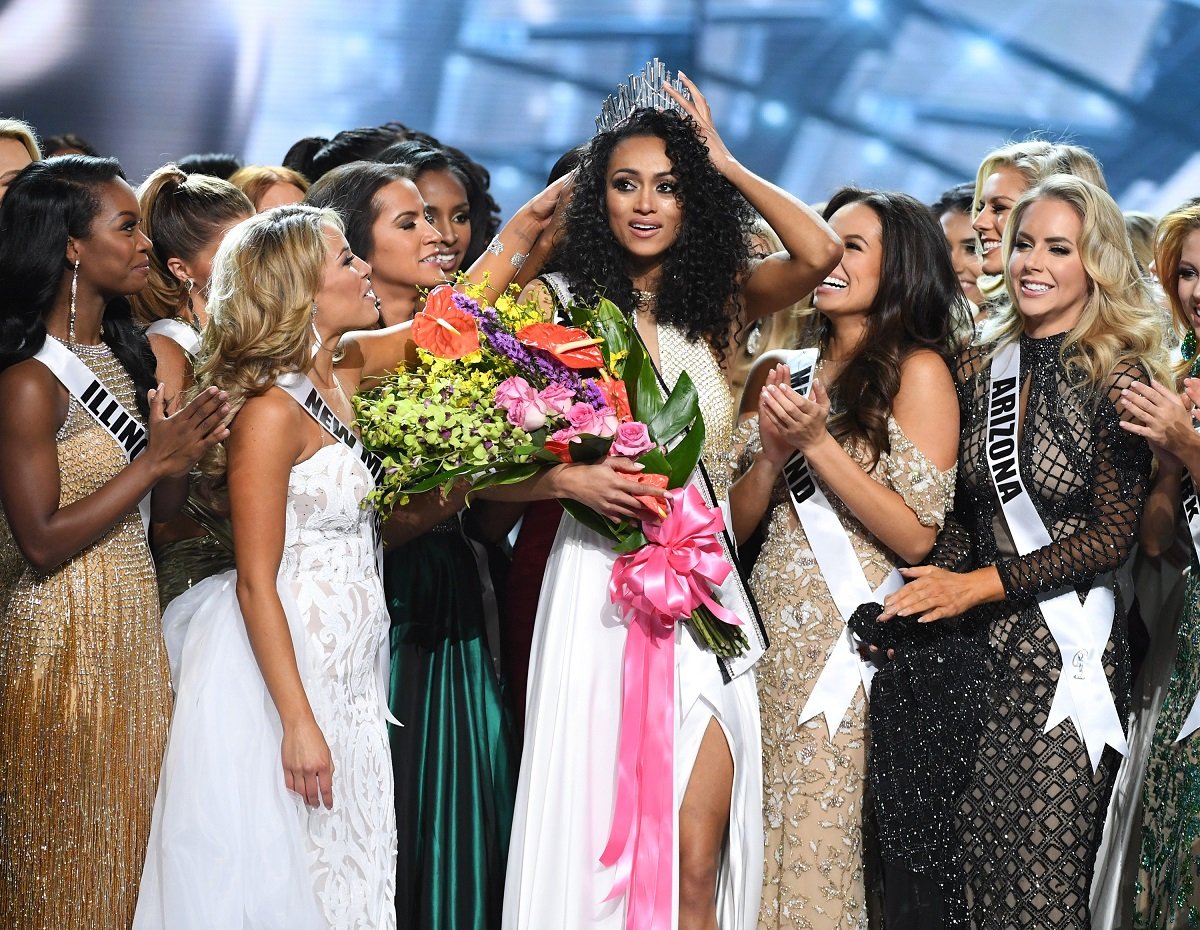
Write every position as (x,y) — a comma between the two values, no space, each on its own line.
(566,434)
(632,440)
(513,391)
(584,418)
(608,421)
(557,398)
(528,415)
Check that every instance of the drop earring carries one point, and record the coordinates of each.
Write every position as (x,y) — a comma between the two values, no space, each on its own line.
(74,291)
(1187,348)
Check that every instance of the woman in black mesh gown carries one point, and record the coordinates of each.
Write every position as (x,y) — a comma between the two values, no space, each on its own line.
(1031,816)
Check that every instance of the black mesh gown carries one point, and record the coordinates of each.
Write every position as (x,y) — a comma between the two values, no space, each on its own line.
(1029,818)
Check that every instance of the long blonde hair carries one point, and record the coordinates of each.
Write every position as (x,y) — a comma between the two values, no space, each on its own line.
(266,275)
(1119,321)
(1168,250)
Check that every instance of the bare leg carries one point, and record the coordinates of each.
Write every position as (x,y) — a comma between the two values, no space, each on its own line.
(703,822)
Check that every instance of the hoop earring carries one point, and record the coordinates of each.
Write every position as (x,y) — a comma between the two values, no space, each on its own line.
(74,291)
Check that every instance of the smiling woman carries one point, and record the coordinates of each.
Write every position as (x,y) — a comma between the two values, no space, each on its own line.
(1033,524)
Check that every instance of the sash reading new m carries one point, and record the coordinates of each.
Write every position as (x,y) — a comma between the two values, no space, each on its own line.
(178,332)
(305,393)
(841,570)
(100,403)
(1080,630)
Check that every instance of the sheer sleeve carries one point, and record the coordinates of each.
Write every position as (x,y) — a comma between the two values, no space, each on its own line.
(1120,481)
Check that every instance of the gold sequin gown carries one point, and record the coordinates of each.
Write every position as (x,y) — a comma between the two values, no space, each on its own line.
(84,707)
(813,785)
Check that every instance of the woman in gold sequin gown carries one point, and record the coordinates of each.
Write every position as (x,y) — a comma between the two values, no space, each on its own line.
(657,225)
(886,464)
(84,690)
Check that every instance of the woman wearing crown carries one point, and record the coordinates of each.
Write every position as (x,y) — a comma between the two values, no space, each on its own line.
(658,223)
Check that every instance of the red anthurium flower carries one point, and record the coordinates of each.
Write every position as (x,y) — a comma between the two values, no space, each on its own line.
(573,347)
(444,330)
(561,449)
(617,397)
(656,505)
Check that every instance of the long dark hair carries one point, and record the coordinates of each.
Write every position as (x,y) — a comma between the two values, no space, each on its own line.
(49,202)
(420,156)
(349,191)
(919,305)
(703,269)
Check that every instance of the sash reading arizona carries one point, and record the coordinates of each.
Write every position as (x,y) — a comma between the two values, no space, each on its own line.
(1002,438)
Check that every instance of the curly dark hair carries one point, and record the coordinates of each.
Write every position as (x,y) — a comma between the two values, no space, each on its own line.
(919,305)
(48,202)
(702,271)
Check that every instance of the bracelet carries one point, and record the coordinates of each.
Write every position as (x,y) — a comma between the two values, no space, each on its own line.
(496,247)
(518,259)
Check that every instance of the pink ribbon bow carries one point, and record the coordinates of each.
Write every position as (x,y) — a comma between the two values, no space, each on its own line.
(655,587)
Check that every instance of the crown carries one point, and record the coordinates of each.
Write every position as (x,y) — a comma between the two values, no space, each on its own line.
(642,90)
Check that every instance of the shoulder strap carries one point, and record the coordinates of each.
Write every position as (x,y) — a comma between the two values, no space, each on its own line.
(178,332)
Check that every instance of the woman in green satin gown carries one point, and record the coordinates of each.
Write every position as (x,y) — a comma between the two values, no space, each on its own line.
(454,756)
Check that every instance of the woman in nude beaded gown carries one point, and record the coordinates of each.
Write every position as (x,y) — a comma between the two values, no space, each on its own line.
(886,465)
(84,690)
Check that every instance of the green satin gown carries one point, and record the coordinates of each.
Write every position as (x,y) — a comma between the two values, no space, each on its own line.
(454,758)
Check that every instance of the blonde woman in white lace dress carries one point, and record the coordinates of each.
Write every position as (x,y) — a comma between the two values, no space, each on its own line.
(885,461)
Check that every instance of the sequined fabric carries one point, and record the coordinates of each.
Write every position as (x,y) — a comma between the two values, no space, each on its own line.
(1030,821)
(1168,882)
(84,705)
(813,785)
(11,563)
(695,356)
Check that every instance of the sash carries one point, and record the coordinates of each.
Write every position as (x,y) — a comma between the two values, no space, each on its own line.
(305,393)
(178,332)
(1190,502)
(103,406)
(841,570)
(1080,630)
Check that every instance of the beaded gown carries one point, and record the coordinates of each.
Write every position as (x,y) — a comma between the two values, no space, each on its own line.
(568,778)
(85,702)
(814,785)
(1168,881)
(1030,820)
(231,846)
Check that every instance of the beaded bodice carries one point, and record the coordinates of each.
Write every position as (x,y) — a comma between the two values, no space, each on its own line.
(1086,476)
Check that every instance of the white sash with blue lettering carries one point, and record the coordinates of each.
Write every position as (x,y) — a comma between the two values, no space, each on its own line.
(1191,512)
(842,572)
(1080,631)
(125,429)
(178,332)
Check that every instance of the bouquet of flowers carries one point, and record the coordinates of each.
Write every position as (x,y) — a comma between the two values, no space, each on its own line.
(497,393)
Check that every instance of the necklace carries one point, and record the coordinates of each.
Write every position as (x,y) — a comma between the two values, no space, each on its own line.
(645,297)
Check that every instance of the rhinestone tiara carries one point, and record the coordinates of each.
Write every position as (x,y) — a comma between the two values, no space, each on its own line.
(642,90)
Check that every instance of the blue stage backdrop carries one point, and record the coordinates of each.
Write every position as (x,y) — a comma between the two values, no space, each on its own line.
(903,94)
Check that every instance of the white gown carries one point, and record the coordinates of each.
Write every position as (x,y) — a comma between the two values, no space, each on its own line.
(230,846)
(565,795)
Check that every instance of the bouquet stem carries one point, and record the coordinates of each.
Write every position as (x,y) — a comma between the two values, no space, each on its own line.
(724,639)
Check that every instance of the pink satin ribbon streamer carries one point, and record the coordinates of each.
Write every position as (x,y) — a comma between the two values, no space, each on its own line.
(655,587)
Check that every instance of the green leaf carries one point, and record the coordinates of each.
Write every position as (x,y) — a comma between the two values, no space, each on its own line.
(678,412)
(654,463)
(641,384)
(587,448)
(590,519)
(508,474)
(631,543)
(685,455)
(609,323)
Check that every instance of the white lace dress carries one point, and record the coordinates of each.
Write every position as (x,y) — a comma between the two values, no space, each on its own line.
(230,846)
